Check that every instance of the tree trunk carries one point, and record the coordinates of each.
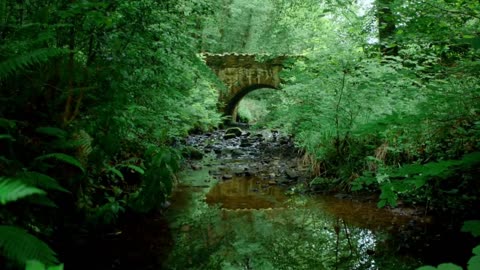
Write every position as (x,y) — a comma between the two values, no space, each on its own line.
(386,27)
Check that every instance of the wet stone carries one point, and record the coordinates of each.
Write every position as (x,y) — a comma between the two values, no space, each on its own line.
(229,136)
(227,176)
(234,130)
(196,167)
(291,174)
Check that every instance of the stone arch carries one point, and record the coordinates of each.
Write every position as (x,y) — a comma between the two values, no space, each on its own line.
(243,73)
(232,104)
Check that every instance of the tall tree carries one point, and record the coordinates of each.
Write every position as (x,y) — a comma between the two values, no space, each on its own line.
(386,26)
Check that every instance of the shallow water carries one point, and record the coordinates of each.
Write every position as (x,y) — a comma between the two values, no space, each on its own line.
(246,193)
(248,223)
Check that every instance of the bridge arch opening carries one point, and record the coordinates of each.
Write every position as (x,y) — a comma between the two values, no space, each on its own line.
(231,108)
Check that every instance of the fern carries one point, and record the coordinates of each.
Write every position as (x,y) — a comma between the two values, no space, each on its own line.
(443,266)
(12,190)
(472,226)
(7,124)
(83,142)
(134,168)
(115,171)
(52,131)
(19,63)
(158,179)
(64,158)
(6,137)
(36,265)
(21,246)
(41,200)
(420,174)
(40,180)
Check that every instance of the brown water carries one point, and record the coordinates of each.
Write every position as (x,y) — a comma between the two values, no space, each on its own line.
(243,193)
(246,193)
(257,222)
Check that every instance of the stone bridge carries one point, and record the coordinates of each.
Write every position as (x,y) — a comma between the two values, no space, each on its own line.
(243,73)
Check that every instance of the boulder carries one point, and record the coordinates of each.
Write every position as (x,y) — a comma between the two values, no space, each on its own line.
(234,130)
(291,174)
(196,167)
(229,136)
(192,153)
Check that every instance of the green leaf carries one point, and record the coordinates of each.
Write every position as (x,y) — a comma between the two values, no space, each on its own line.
(443,266)
(472,226)
(21,246)
(40,180)
(42,200)
(474,263)
(135,168)
(6,137)
(12,190)
(115,171)
(476,250)
(52,131)
(36,265)
(64,158)
(449,266)
(7,124)
(16,64)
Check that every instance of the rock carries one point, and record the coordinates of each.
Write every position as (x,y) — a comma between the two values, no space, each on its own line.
(227,176)
(237,153)
(341,196)
(196,167)
(234,130)
(192,153)
(229,136)
(291,174)
(284,141)
(245,143)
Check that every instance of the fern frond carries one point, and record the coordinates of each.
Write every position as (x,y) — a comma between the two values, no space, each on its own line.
(41,200)
(83,141)
(158,179)
(16,64)
(12,190)
(36,265)
(40,180)
(115,171)
(64,158)
(134,168)
(7,123)
(52,131)
(21,246)
(6,137)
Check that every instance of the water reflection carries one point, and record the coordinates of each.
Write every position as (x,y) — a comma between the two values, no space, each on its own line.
(258,226)
(246,193)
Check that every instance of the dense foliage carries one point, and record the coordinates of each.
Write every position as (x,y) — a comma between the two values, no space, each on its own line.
(93,96)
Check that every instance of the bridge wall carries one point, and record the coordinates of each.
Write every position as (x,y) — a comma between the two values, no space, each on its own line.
(243,73)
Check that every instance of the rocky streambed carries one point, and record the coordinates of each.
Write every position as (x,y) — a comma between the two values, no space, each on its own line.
(235,207)
(265,154)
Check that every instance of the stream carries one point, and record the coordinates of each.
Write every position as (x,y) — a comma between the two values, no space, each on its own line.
(240,203)
(241,207)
